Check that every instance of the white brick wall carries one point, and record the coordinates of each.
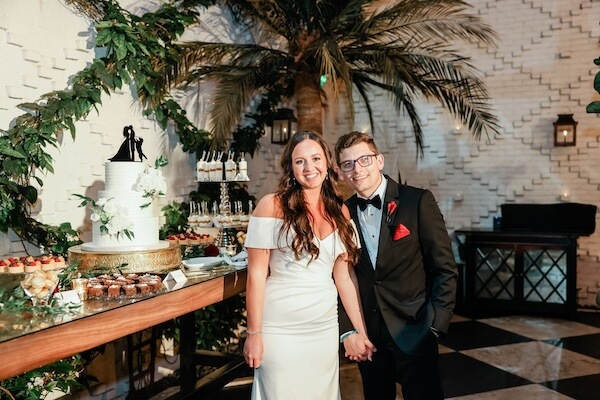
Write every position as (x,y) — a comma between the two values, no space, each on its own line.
(541,67)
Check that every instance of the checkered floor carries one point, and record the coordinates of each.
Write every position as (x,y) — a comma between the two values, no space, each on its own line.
(506,358)
(514,358)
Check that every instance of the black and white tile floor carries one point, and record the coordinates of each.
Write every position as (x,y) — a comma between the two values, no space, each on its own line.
(514,358)
(505,358)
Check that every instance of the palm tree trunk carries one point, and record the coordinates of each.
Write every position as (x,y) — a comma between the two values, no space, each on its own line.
(308,103)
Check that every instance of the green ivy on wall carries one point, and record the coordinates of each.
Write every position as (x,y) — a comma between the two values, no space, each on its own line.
(133,47)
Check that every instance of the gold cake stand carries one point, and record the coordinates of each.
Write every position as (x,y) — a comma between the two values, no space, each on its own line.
(160,260)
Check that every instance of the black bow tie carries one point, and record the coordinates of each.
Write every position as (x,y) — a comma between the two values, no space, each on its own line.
(363,203)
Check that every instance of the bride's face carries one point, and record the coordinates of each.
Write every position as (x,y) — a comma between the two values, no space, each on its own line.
(309,164)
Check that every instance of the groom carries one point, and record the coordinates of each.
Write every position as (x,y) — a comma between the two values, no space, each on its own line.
(406,275)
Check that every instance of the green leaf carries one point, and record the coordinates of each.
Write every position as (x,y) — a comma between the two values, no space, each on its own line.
(593,107)
(71,126)
(30,106)
(103,36)
(96,95)
(10,185)
(9,151)
(85,199)
(160,162)
(597,82)
(119,46)
(30,193)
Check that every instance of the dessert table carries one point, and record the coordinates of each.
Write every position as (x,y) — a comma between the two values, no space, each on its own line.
(96,322)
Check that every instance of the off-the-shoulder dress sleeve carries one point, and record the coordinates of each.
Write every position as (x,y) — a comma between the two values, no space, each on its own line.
(339,247)
(263,232)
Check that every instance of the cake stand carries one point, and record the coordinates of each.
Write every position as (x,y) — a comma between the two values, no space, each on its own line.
(158,260)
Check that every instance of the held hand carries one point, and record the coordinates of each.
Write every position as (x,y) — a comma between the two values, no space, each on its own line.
(358,347)
(253,350)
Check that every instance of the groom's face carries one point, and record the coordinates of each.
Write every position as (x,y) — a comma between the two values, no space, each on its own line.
(364,179)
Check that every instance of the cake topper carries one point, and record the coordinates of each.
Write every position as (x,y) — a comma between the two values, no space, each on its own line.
(130,145)
(138,147)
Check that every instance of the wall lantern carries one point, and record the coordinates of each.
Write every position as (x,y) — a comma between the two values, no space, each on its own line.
(565,130)
(283,126)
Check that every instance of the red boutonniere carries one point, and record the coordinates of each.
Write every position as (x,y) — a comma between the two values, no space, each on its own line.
(390,209)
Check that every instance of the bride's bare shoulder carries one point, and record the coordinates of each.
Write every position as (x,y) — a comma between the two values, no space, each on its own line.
(269,206)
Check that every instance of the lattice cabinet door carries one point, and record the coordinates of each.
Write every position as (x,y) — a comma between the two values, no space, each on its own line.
(545,275)
(520,273)
(494,273)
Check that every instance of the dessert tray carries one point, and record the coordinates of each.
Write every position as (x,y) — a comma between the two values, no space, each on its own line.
(129,286)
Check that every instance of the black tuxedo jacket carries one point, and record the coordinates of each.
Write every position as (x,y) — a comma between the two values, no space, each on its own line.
(413,284)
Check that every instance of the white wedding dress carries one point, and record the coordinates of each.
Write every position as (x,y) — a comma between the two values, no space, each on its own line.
(300,321)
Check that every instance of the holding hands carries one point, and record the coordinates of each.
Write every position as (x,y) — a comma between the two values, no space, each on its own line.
(358,347)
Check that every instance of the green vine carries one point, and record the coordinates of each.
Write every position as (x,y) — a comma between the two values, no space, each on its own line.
(134,48)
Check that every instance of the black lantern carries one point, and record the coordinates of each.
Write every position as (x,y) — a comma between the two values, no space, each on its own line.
(565,130)
(283,126)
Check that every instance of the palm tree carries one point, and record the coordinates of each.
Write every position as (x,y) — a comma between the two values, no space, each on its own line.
(406,48)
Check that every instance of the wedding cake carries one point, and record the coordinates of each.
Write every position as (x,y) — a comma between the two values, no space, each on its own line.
(123,217)
(125,223)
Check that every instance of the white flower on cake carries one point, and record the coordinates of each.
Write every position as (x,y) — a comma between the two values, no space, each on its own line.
(112,216)
(152,182)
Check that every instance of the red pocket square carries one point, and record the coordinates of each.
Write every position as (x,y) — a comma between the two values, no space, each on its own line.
(400,232)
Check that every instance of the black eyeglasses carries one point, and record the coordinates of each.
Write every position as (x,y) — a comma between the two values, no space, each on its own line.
(363,161)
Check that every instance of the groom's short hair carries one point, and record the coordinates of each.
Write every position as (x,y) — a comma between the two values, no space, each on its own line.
(350,139)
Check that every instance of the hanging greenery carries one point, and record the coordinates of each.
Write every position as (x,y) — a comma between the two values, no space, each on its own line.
(133,47)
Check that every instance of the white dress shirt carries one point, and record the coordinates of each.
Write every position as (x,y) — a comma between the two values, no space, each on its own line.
(370,222)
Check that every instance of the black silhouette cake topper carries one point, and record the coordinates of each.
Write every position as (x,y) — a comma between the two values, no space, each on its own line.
(130,145)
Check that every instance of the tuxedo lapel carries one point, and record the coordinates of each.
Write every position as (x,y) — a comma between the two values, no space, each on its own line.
(385,237)
(365,262)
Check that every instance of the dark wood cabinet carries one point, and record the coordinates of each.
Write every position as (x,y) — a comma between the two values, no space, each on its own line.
(518,271)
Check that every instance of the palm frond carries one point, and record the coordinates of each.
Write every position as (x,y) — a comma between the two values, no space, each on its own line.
(195,55)
(361,87)
(236,88)
(428,20)
(407,48)
(279,17)
(444,76)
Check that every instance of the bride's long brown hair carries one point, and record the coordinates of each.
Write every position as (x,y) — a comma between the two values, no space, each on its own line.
(295,212)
